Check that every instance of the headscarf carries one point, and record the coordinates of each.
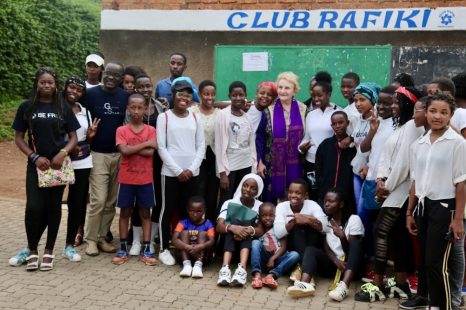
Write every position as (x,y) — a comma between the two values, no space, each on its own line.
(187,79)
(258,179)
(405,91)
(369,90)
(272,85)
(75,80)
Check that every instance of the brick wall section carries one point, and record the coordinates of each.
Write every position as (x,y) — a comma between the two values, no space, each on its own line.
(272,4)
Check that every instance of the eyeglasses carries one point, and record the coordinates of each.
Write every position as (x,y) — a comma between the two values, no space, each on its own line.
(184,94)
(114,74)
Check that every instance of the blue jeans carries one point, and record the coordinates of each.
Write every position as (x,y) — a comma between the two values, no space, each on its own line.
(456,271)
(260,257)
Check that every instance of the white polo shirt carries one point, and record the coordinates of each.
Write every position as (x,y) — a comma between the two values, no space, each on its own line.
(439,166)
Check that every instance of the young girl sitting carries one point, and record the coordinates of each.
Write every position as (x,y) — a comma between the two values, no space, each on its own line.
(194,238)
(237,224)
(270,252)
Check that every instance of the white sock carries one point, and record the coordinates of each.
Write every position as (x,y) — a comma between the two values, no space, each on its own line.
(198,263)
(137,233)
(187,262)
(154,232)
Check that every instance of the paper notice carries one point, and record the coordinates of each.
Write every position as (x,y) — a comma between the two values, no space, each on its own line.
(256,61)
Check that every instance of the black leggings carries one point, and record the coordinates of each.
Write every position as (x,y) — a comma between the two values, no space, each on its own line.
(235,178)
(301,237)
(390,227)
(77,202)
(315,260)
(43,209)
(209,184)
(174,199)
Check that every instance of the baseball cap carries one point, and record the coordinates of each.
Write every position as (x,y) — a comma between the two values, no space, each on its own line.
(187,83)
(99,61)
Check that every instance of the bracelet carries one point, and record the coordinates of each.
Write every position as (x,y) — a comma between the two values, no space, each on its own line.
(34,158)
(253,231)
(226,228)
(64,151)
(31,155)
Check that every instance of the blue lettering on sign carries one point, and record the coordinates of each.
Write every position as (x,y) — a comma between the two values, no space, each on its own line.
(328,17)
(349,20)
(255,23)
(425,19)
(275,20)
(367,18)
(388,17)
(237,26)
(408,19)
(300,20)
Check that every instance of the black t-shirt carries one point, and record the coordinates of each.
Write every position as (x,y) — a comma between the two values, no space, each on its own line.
(110,108)
(48,128)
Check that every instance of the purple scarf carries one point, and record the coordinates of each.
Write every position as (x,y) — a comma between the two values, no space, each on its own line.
(286,165)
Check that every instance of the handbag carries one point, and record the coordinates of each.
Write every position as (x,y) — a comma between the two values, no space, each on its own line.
(368,194)
(57,177)
(237,213)
(54,177)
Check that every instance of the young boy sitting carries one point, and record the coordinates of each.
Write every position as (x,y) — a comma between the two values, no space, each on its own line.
(194,238)
(270,252)
(136,142)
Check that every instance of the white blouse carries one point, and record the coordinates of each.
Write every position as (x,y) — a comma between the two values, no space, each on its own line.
(208,122)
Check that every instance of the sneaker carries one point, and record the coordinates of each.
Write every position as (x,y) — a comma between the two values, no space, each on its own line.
(186,271)
(239,277)
(269,281)
(135,248)
(412,280)
(92,249)
(369,293)
(20,258)
(120,258)
(301,289)
(166,258)
(296,274)
(197,272)
(106,247)
(70,253)
(415,302)
(393,289)
(340,292)
(149,259)
(368,277)
(224,276)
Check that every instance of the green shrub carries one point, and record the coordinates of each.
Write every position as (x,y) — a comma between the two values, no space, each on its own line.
(36,33)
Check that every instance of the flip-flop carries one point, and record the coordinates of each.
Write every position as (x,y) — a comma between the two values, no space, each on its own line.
(32,266)
(47,266)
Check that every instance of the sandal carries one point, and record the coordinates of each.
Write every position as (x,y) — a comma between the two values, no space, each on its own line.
(256,281)
(78,240)
(32,266)
(47,266)
(269,281)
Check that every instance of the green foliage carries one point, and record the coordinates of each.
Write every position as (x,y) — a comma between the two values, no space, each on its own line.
(37,33)
(7,114)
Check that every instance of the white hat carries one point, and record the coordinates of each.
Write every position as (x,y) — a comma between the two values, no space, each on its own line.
(99,61)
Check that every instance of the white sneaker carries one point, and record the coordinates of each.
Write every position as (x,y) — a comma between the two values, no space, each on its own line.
(70,253)
(197,271)
(240,277)
(166,258)
(224,276)
(340,292)
(301,289)
(152,247)
(186,271)
(135,249)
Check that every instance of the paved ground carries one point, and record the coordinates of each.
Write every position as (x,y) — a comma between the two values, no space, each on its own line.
(94,283)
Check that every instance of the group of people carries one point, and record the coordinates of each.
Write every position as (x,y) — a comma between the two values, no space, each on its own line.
(287,186)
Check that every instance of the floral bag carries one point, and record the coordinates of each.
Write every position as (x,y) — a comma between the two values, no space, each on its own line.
(58,177)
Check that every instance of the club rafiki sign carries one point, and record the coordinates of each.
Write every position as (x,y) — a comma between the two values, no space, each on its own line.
(409,19)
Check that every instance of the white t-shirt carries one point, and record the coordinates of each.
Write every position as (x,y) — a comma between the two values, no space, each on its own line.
(224,209)
(360,131)
(318,128)
(254,116)
(458,119)
(208,123)
(84,118)
(238,150)
(88,86)
(354,227)
(283,210)
(181,143)
(384,131)
(352,112)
